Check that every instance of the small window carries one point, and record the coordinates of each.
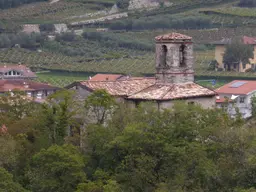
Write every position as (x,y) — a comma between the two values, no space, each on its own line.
(242,99)
(14,73)
(182,55)
(6,74)
(164,55)
(10,73)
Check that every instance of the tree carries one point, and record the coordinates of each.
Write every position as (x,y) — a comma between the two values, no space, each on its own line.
(8,151)
(122,4)
(237,53)
(247,3)
(7,184)
(99,106)
(57,169)
(58,115)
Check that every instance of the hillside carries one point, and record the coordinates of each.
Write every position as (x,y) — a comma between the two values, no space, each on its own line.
(116,36)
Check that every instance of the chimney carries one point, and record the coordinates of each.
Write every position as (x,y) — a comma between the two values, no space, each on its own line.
(217,97)
(90,77)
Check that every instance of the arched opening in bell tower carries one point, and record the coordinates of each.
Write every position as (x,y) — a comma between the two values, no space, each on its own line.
(164,56)
(182,55)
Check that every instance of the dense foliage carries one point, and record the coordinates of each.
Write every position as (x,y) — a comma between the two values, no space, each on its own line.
(57,147)
(23,40)
(157,22)
(5,4)
(247,3)
(237,53)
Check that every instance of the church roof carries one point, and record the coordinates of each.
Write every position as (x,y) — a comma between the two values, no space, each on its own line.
(106,77)
(148,89)
(172,36)
(172,91)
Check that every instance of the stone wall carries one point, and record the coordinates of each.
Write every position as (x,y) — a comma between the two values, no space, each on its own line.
(173,72)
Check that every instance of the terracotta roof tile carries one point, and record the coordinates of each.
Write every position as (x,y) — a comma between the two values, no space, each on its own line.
(233,87)
(24,85)
(172,91)
(249,40)
(223,100)
(172,36)
(106,77)
(121,87)
(147,89)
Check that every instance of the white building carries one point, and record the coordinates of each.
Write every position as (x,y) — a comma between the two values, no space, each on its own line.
(237,95)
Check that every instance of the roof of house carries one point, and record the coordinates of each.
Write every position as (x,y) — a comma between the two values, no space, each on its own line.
(24,85)
(25,71)
(249,40)
(223,100)
(106,77)
(239,87)
(173,36)
(147,89)
(30,28)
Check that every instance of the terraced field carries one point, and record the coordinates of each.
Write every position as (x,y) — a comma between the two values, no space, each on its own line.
(44,12)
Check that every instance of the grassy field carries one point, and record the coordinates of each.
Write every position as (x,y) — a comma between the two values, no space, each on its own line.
(60,79)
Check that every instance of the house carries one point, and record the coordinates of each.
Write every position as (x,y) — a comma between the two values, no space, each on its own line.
(30,28)
(174,78)
(106,77)
(32,89)
(16,72)
(237,94)
(220,48)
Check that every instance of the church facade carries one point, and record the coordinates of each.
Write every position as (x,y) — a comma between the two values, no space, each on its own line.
(174,78)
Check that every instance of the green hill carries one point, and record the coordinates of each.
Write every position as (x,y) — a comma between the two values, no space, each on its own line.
(126,43)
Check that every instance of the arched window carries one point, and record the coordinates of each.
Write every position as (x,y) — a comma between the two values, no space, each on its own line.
(163,56)
(182,55)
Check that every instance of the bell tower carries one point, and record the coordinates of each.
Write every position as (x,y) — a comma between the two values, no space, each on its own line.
(174,58)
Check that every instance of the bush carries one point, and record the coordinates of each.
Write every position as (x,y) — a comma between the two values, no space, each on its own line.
(151,23)
(29,41)
(213,65)
(247,3)
(122,4)
(68,36)
(47,27)
(6,4)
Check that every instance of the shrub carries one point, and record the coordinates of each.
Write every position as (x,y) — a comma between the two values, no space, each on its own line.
(247,3)
(122,4)
(68,36)
(47,27)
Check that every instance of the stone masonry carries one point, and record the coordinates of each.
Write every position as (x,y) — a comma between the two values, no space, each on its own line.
(174,59)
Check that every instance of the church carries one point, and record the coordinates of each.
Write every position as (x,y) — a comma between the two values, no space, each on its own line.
(174,78)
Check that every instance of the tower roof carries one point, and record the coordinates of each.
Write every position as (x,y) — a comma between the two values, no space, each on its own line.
(172,36)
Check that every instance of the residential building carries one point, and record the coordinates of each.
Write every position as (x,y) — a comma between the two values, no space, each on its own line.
(237,95)
(16,72)
(32,89)
(220,48)
(174,78)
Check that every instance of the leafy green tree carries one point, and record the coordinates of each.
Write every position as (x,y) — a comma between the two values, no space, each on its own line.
(99,106)
(58,168)
(237,53)
(7,184)
(122,4)
(58,115)
(8,151)
(247,3)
